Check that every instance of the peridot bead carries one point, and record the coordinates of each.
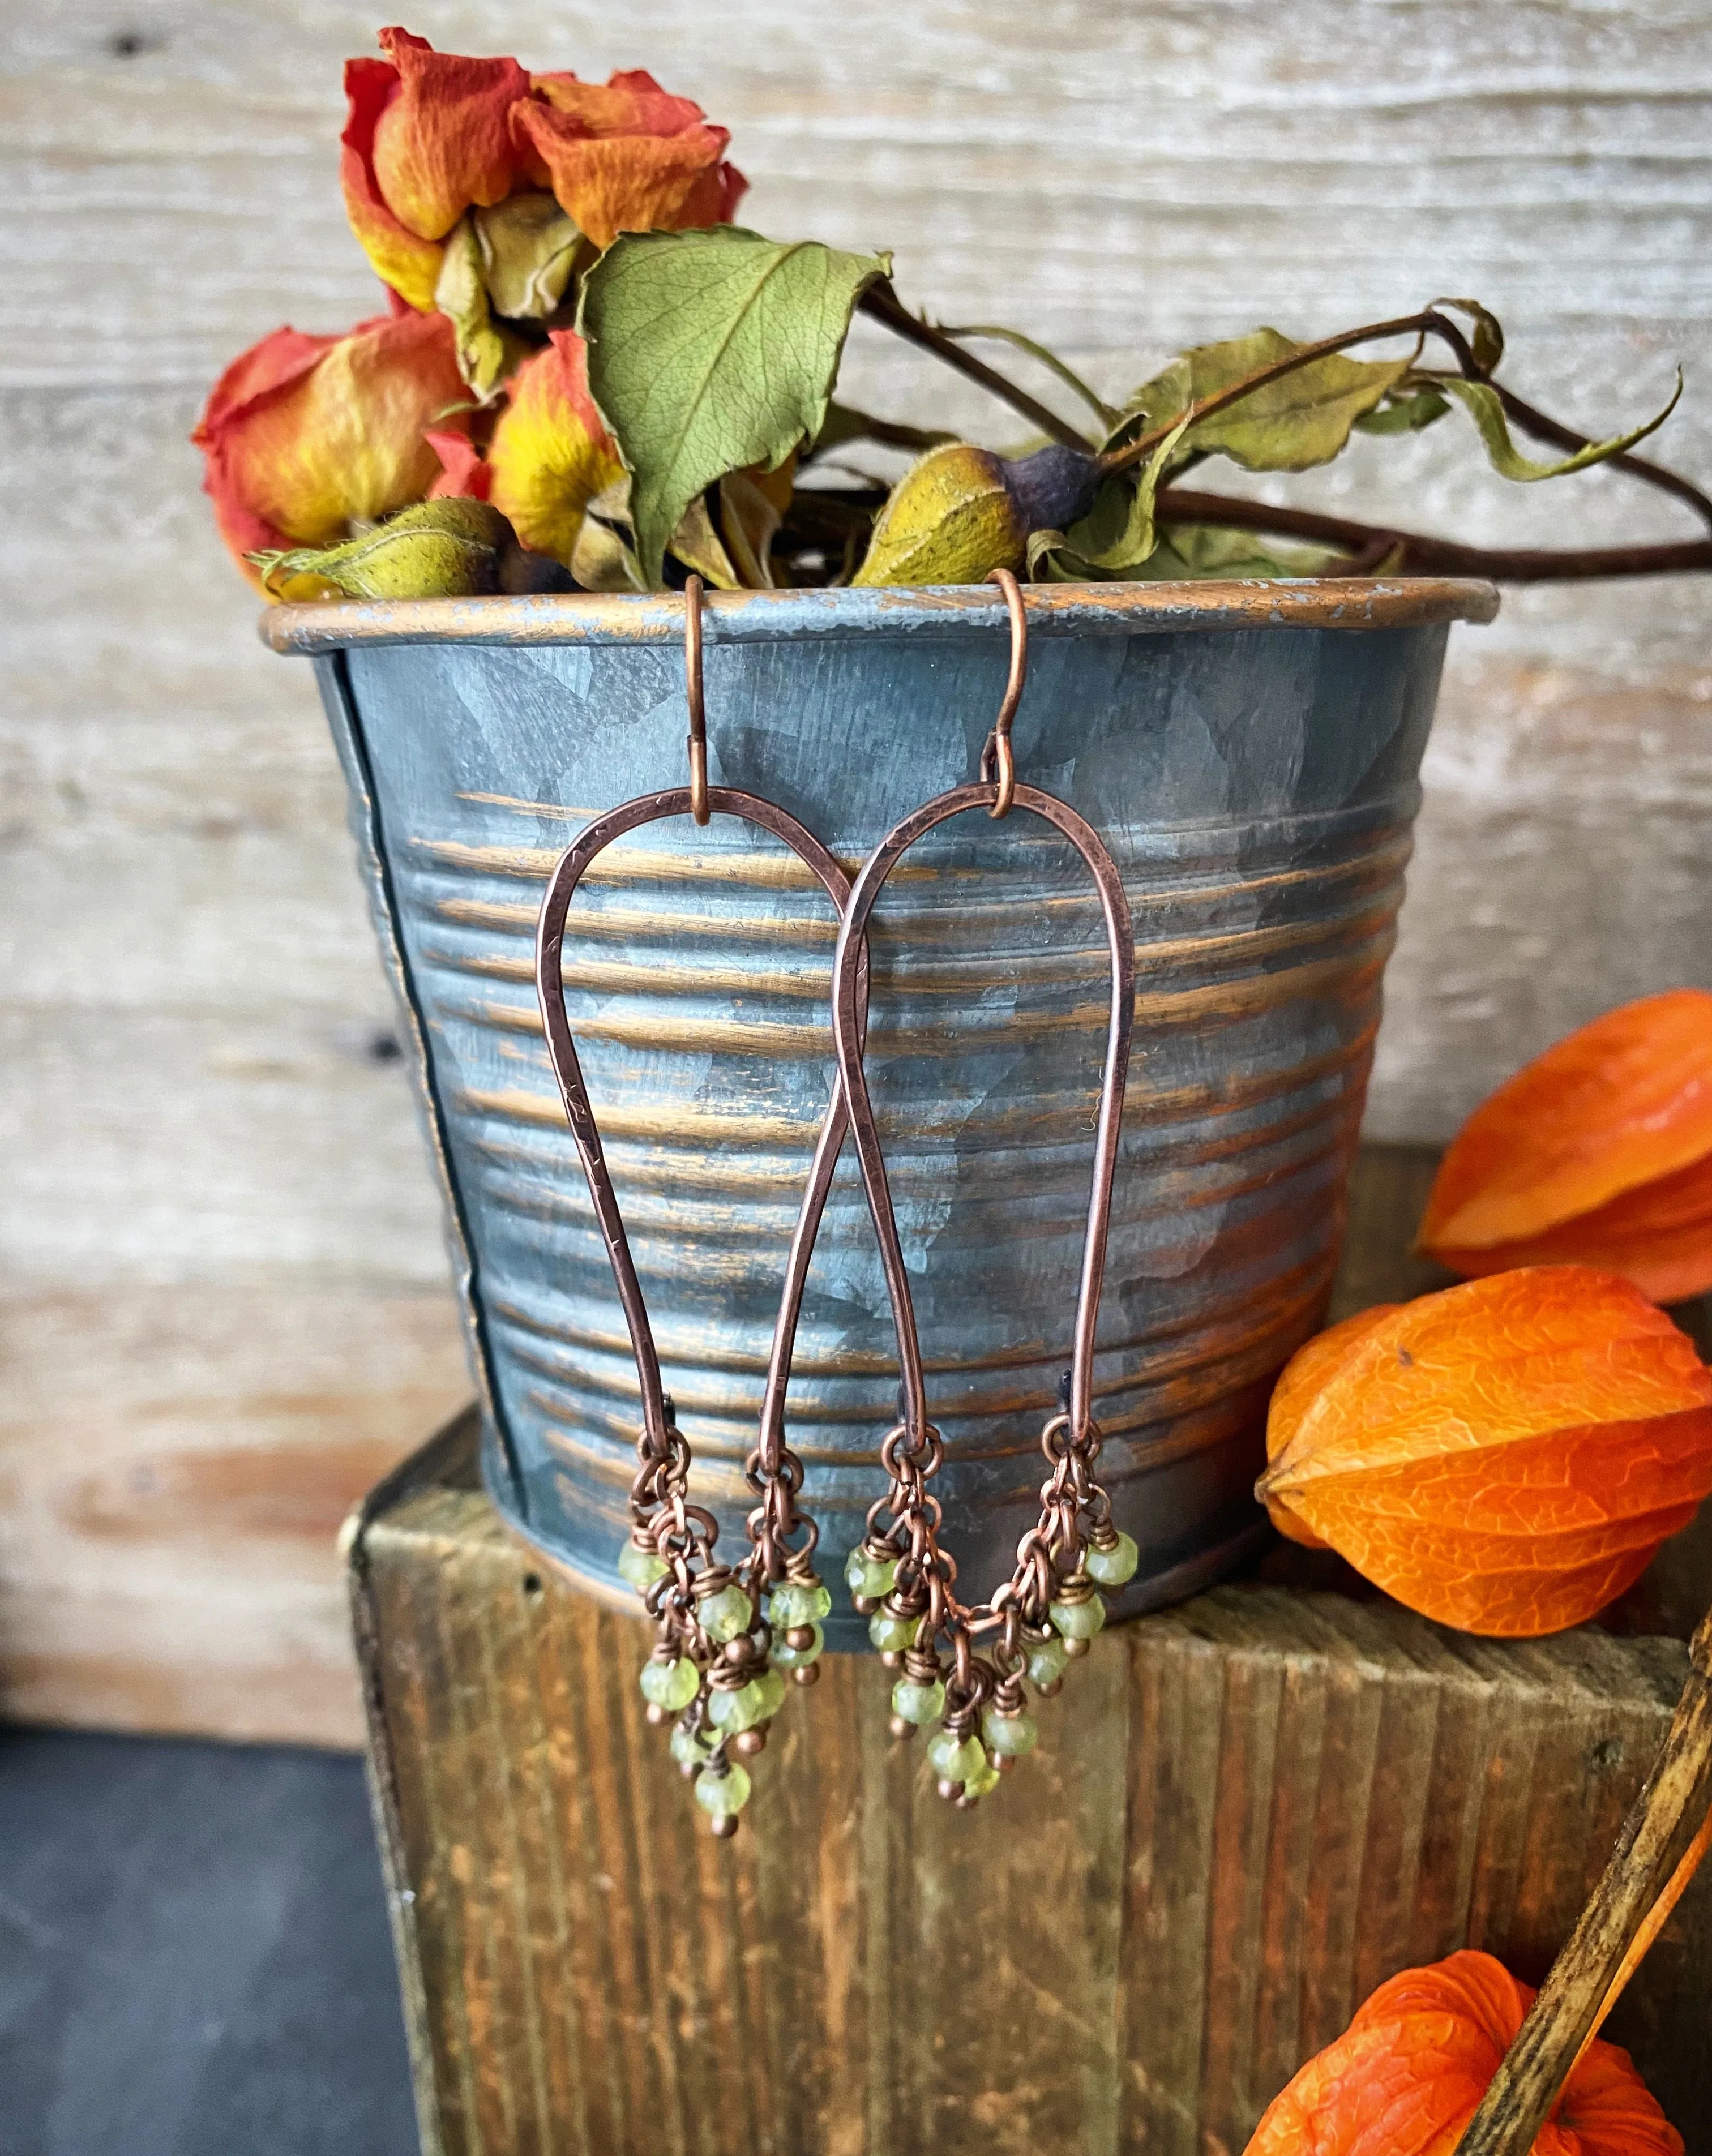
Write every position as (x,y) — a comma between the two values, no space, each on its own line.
(744,1706)
(1009,1735)
(984,1778)
(787,1657)
(1112,1567)
(689,1747)
(954,1758)
(798,1602)
(728,1792)
(730,1711)
(669,1684)
(1078,1620)
(767,1691)
(725,1614)
(1047,1661)
(891,1635)
(871,1577)
(918,1702)
(639,1567)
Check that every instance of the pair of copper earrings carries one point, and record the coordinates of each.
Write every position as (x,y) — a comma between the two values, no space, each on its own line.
(729,1638)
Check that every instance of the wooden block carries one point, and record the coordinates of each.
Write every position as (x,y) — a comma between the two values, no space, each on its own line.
(1245,1813)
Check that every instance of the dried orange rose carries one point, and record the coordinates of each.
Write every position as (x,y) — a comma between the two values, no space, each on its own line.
(307,436)
(551,453)
(1505,1456)
(1599,1152)
(1408,2074)
(428,137)
(625,157)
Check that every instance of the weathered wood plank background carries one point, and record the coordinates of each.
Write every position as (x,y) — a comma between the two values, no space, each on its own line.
(224,1296)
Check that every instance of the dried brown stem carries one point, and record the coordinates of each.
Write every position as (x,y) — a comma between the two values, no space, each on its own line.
(1661,1825)
(1413,554)
(883,305)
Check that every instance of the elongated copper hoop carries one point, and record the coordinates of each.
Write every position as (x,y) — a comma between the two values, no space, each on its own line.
(549,953)
(847,1033)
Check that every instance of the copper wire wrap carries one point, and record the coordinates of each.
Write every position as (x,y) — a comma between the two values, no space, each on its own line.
(700,808)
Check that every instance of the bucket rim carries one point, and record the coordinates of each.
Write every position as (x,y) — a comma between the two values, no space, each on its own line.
(621,618)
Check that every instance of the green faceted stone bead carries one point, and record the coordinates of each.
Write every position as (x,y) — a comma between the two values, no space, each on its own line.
(1078,1620)
(689,1747)
(984,1778)
(1011,1734)
(730,1711)
(786,1657)
(869,1576)
(639,1567)
(1112,1567)
(728,1792)
(767,1693)
(1047,1661)
(758,1701)
(798,1602)
(891,1635)
(669,1684)
(954,1758)
(725,1614)
(918,1702)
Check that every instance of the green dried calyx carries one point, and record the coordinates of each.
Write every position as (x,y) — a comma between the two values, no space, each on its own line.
(962,512)
(453,548)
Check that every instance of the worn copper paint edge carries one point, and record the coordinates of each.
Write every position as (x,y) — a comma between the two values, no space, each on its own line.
(766,617)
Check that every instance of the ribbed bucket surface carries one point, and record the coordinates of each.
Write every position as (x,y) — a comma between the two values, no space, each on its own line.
(1250,755)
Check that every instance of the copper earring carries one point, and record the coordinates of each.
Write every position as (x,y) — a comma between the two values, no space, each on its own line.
(1046,1614)
(727,1638)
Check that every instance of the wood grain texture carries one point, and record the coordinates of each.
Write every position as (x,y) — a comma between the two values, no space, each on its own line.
(189,996)
(1244,1814)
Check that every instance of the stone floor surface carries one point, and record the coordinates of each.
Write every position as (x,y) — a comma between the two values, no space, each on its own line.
(195,1958)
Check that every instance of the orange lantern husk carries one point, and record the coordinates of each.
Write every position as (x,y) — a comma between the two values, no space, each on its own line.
(1505,1456)
(1408,2074)
(1599,1152)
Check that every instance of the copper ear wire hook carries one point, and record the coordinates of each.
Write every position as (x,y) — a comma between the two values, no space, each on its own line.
(697,742)
(998,759)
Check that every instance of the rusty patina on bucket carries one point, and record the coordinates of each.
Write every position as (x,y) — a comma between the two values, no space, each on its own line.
(1248,752)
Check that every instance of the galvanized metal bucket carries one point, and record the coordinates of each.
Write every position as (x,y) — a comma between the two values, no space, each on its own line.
(1248,752)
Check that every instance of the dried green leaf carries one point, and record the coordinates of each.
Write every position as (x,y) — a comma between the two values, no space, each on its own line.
(1487,408)
(486,352)
(1289,424)
(528,248)
(699,547)
(752,506)
(601,560)
(1190,551)
(1403,414)
(711,351)
(1486,340)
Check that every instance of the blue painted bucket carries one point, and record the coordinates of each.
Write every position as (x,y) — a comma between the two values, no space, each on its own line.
(1248,752)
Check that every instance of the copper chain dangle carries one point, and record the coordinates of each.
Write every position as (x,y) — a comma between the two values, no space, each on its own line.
(901,1574)
(727,1637)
